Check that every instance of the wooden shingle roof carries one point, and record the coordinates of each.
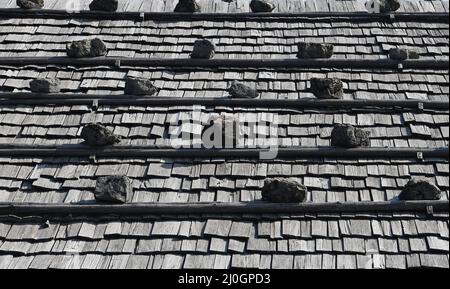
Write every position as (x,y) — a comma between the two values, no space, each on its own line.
(215,217)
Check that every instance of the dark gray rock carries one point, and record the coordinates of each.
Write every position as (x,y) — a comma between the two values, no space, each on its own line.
(45,85)
(279,190)
(239,90)
(412,54)
(187,6)
(97,135)
(347,136)
(314,50)
(104,5)
(402,54)
(383,6)
(420,190)
(86,48)
(398,54)
(30,4)
(203,49)
(113,189)
(261,6)
(140,86)
(327,88)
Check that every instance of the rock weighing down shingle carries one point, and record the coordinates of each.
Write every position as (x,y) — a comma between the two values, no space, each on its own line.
(30,4)
(239,90)
(86,48)
(140,86)
(327,88)
(314,50)
(279,190)
(104,5)
(97,135)
(261,6)
(203,49)
(113,189)
(347,136)
(420,190)
(383,6)
(187,6)
(403,54)
(45,85)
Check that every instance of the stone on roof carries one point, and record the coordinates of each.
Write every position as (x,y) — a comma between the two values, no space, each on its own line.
(261,6)
(327,88)
(314,50)
(240,90)
(279,190)
(187,6)
(420,190)
(98,135)
(403,54)
(140,86)
(45,85)
(347,136)
(203,49)
(104,5)
(86,48)
(30,4)
(113,189)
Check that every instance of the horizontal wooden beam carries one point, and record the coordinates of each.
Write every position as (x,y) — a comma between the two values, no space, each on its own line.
(87,99)
(33,209)
(227,63)
(270,17)
(167,152)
